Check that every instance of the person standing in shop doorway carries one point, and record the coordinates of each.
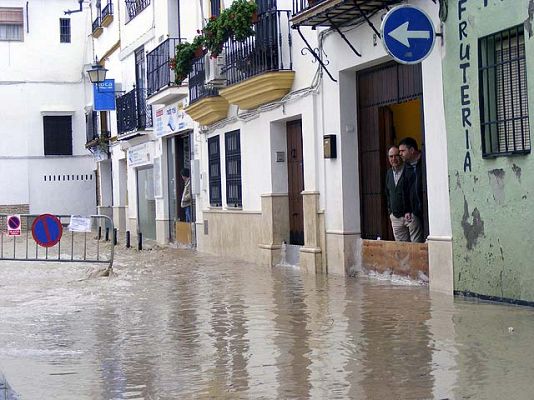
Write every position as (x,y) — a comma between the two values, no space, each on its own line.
(413,187)
(186,194)
(395,196)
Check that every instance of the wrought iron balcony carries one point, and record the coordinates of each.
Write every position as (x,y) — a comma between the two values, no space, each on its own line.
(304,5)
(197,81)
(133,113)
(107,14)
(268,50)
(335,13)
(159,75)
(96,23)
(134,8)
(97,27)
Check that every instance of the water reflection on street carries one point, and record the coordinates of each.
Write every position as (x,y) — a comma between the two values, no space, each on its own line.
(174,324)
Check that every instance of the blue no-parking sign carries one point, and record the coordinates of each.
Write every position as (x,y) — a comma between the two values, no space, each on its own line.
(408,34)
(47,230)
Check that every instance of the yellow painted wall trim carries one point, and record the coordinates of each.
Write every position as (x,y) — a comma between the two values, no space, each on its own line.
(108,19)
(110,51)
(261,89)
(97,32)
(208,110)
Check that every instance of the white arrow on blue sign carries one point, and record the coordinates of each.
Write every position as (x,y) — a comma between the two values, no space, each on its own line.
(408,34)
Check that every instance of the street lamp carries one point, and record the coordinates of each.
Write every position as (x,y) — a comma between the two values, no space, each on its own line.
(97,73)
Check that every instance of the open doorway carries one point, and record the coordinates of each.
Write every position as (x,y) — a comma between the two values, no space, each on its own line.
(390,99)
(179,159)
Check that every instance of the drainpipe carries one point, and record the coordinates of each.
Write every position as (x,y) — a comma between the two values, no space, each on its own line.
(179,20)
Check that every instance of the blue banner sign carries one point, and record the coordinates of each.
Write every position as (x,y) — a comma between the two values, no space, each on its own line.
(104,95)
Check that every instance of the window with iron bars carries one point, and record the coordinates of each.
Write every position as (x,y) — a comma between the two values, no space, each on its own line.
(214,160)
(503,93)
(233,169)
(134,8)
(64,30)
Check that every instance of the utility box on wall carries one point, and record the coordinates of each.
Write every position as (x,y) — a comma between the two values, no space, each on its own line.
(329,146)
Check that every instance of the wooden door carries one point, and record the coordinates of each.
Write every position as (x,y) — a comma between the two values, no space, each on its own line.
(295,176)
(379,87)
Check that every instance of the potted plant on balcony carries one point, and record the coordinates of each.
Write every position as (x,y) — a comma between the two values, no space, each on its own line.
(241,16)
(182,62)
(215,33)
(236,21)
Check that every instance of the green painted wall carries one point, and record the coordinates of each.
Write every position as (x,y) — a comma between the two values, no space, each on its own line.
(492,200)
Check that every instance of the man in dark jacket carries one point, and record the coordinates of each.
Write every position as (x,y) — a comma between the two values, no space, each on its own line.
(395,196)
(413,187)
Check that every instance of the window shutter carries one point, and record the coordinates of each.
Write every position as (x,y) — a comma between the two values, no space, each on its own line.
(11,16)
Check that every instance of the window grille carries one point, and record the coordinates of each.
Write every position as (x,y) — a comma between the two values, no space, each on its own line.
(57,135)
(11,24)
(134,8)
(233,169)
(503,93)
(214,156)
(91,126)
(64,30)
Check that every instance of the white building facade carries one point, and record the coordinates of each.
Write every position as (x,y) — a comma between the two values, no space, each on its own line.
(278,148)
(43,92)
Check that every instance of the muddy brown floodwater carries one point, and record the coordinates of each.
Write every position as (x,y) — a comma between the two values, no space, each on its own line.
(174,324)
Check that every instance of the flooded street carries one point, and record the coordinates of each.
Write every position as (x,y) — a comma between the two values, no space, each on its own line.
(174,324)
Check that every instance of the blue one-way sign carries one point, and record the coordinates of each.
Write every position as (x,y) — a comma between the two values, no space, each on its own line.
(408,34)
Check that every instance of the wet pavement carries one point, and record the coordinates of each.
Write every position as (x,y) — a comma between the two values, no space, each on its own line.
(173,324)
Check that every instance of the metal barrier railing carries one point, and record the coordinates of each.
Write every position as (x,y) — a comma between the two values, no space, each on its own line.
(90,246)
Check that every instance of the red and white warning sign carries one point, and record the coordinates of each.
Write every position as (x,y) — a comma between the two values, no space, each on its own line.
(13,225)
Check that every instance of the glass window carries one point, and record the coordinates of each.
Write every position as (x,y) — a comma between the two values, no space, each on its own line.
(233,169)
(134,8)
(64,30)
(11,24)
(214,156)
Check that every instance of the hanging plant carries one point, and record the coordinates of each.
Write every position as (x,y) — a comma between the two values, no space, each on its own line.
(216,33)
(240,16)
(235,21)
(186,52)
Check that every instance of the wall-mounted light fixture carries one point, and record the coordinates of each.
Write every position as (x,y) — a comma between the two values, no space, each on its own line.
(97,73)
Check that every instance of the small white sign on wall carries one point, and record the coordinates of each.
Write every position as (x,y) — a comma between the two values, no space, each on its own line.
(171,119)
(138,155)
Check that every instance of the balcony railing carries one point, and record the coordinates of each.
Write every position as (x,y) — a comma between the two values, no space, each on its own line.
(159,75)
(134,8)
(133,113)
(197,81)
(96,23)
(302,5)
(268,50)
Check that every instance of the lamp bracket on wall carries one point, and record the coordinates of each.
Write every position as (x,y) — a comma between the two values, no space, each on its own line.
(69,12)
(315,55)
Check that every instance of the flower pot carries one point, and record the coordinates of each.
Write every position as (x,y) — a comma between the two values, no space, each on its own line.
(199,52)
(254,17)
